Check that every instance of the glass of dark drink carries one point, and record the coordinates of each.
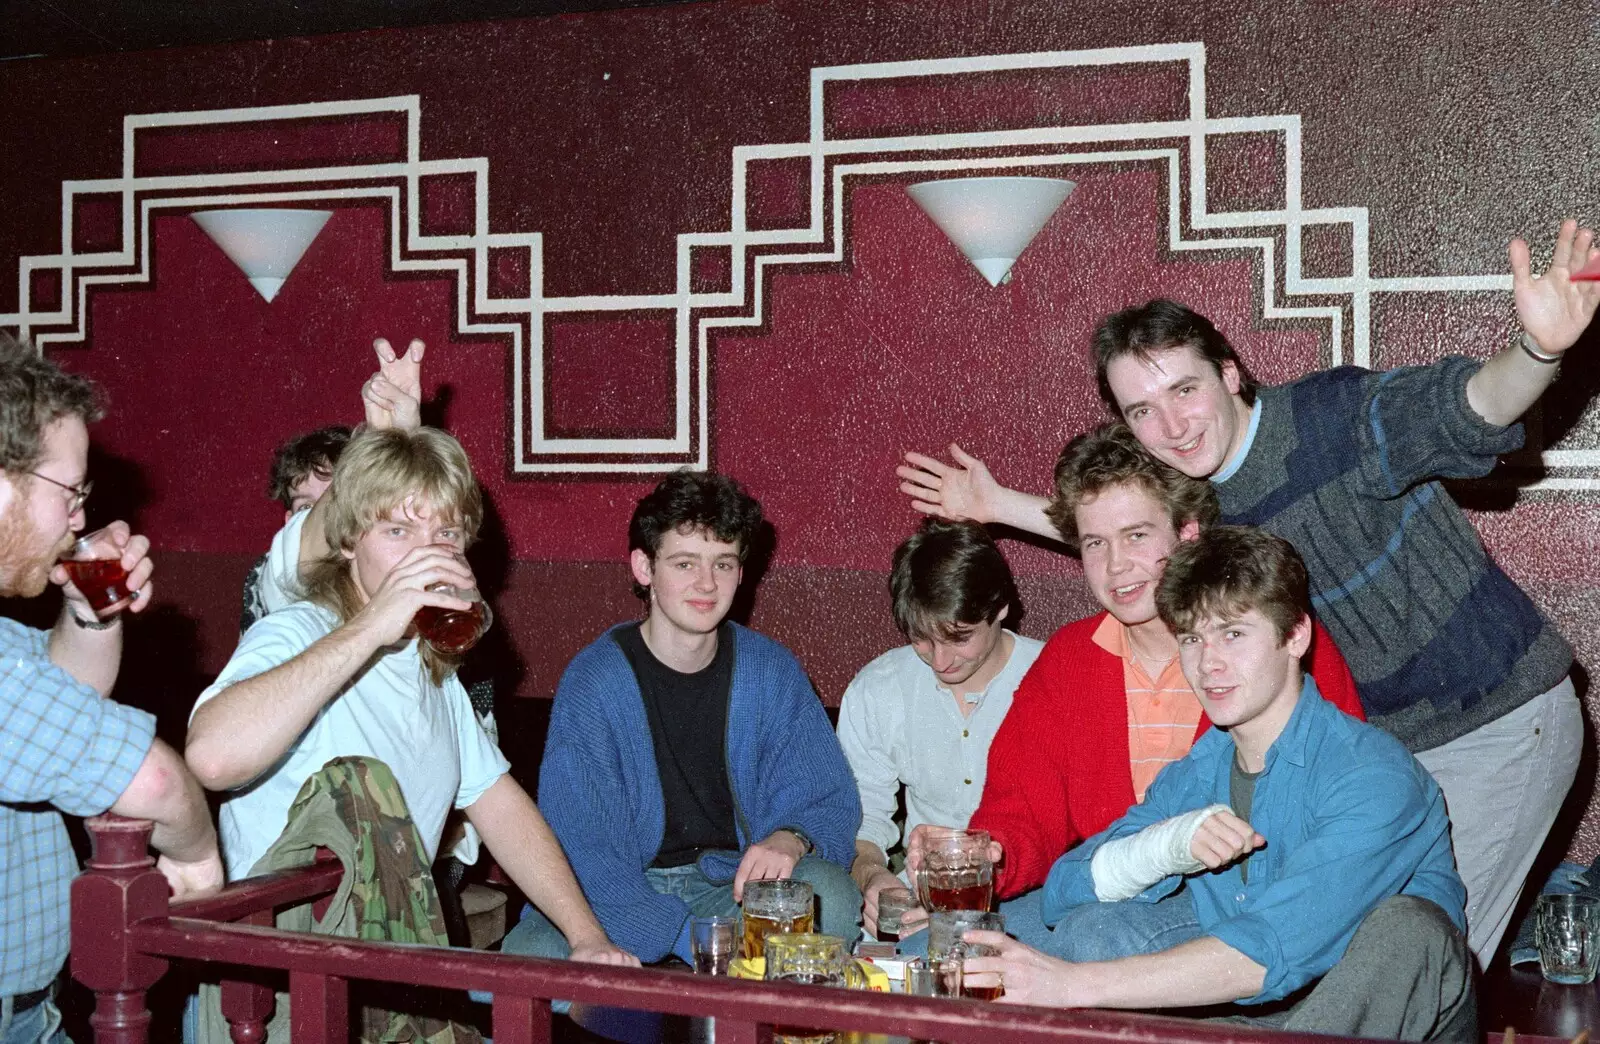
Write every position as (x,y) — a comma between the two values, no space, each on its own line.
(453,631)
(94,563)
(714,940)
(811,960)
(956,873)
(773,908)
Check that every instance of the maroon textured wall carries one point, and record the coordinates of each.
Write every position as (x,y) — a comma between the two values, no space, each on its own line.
(1455,127)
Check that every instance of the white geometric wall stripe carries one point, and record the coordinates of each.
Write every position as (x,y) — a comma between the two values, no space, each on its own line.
(465,257)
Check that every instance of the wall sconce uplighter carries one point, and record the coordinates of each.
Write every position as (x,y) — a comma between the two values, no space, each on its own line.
(266,243)
(991,220)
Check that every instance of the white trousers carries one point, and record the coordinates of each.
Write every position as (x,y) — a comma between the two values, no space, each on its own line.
(1503,785)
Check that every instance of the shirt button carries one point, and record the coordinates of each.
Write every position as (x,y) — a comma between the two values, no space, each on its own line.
(1239,898)
(965,734)
(968,782)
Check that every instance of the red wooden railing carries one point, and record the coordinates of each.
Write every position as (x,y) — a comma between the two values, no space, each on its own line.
(124,931)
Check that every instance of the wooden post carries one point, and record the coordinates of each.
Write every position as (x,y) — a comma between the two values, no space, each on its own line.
(246,1004)
(120,887)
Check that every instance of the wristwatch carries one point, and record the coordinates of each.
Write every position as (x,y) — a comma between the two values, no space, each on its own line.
(805,839)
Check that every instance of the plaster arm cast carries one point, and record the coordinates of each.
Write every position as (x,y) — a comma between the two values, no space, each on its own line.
(1123,868)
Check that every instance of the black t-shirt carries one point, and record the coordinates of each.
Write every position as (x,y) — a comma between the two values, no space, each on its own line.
(688,715)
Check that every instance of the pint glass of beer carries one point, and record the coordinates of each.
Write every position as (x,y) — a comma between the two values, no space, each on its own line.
(956,873)
(453,631)
(772,907)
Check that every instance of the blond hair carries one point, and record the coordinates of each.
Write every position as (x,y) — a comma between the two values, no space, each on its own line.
(378,472)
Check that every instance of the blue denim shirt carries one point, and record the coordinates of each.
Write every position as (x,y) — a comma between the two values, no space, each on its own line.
(1350,818)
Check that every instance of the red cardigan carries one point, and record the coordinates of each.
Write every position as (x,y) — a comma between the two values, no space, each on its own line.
(1059,766)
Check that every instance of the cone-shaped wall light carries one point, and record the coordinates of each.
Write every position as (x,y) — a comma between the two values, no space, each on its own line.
(991,220)
(266,244)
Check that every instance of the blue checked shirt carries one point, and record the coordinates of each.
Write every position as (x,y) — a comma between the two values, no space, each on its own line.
(63,748)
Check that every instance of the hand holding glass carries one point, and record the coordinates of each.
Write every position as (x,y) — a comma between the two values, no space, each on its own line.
(454,631)
(956,873)
(94,563)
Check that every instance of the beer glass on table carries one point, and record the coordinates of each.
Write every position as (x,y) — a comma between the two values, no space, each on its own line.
(773,907)
(94,562)
(956,873)
(453,631)
(811,960)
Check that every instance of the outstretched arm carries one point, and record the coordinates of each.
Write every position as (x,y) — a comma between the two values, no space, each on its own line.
(392,397)
(528,851)
(966,490)
(1554,311)
(1199,972)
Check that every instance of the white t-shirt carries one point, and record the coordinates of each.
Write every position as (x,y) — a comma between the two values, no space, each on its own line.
(897,725)
(392,711)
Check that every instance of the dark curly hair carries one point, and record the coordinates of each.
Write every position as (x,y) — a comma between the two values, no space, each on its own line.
(947,578)
(690,501)
(34,392)
(1156,326)
(311,453)
(1110,456)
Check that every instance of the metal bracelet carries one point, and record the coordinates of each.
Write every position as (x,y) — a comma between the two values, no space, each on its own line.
(1532,349)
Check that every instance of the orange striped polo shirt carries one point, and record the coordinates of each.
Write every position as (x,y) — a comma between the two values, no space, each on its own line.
(1162,713)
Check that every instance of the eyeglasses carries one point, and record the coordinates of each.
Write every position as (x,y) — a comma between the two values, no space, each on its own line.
(79,493)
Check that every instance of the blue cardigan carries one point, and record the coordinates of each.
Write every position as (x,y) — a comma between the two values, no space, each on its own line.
(600,790)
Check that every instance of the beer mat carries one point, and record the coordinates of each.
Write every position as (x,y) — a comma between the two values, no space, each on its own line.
(756,968)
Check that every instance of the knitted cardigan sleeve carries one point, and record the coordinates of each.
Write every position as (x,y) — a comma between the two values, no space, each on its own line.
(589,796)
(801,778)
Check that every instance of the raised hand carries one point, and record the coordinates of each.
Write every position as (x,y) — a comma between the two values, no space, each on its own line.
(136,563)
(392,397)
(1222,839)
(1552,308)
(960,491)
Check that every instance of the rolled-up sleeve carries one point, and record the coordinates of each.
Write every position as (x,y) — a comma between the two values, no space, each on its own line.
(1418,425)
(61,742)
(1298,927)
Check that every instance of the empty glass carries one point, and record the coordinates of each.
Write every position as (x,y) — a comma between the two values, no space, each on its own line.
(893,904)
(1567,931)
(934,976)
(714,941)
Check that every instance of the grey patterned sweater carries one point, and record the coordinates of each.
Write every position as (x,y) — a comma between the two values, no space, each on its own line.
(1343,466)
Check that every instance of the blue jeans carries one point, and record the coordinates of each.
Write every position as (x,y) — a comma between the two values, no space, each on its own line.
(1094,931)
(40,1024)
